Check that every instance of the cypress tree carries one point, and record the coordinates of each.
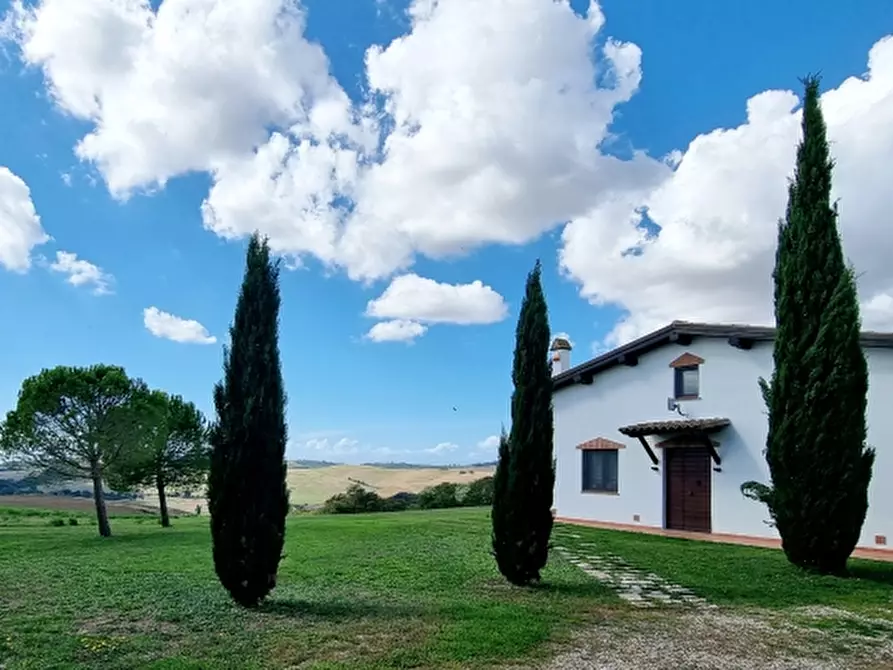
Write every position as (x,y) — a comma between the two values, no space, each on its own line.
(525,475)
(816,452)
(247,492)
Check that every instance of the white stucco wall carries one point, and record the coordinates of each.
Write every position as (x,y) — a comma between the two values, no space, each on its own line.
(728,387)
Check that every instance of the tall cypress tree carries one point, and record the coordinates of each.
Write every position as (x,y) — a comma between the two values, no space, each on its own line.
(815,450)
(247,492)
(525,475)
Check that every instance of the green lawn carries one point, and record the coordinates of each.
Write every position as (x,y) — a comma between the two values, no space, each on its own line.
(739,576)
(404,590)
(413,589)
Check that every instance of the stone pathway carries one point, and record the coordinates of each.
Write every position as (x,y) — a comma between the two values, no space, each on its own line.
(634,586)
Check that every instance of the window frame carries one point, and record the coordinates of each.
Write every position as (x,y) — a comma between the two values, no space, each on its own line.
(679,382)
(605,490)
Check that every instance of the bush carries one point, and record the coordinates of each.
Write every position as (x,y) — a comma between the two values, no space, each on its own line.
(72,521)
(441,496)
(479,493)
(57,522)
(400,502)
(356,500)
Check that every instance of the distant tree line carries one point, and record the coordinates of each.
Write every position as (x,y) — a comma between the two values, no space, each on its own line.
(31,485)
(359,500)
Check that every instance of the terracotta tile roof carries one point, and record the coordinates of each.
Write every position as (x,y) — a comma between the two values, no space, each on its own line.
(686,360)
(674,426)
(601,443)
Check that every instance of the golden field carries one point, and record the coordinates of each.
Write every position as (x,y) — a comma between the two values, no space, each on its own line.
(308,486)
(312,486)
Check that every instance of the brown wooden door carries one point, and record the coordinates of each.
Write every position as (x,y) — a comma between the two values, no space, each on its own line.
(688,488)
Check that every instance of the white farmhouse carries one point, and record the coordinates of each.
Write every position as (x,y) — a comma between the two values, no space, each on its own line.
(659,434)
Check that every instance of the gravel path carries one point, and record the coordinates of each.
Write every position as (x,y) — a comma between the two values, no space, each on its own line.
(707,640)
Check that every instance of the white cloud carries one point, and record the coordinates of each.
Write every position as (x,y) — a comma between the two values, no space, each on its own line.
(411,299)
(719,209)
(170,327)
(20,229)
(179,90)
(82,273)
(492,129)
(337,447)
(443,448)
(396,331)
(490,443)
(328,447)
(491,133)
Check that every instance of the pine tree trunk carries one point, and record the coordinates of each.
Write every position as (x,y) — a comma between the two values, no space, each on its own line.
(102,515)
(162,502)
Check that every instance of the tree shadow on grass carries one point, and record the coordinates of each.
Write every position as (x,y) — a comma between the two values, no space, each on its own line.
(872,571)
(336,609)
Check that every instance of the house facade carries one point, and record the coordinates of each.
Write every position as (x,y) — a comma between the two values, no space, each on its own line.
(661,432)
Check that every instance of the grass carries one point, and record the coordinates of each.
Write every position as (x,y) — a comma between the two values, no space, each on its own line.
(19,515)
(377,591)
(404,590)
(740,576)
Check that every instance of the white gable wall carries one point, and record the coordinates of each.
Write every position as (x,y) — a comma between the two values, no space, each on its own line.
(624,395)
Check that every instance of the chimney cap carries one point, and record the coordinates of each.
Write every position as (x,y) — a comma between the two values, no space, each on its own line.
(560,343)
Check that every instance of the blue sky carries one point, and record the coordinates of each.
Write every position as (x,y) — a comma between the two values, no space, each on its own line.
(515,131)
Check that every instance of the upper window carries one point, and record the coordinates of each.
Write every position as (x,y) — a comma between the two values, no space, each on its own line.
(686,377)
(687,382)
(600,470)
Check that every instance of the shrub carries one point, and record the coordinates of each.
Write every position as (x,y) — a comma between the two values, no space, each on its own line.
(479,493)
(441,496)
(356,500)
(400,502)
(72,521)
(57,522)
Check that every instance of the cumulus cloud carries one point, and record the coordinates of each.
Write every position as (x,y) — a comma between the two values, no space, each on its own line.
(328,446)
(443,448)
(486,123)
(483,123)
(176,90)
(170,327)
(718,211)
(20,228)
(489,444)
(411,300)
(82,273)
(337,447)
(396,330)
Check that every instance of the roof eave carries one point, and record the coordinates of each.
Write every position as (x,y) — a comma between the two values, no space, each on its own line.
(664,335)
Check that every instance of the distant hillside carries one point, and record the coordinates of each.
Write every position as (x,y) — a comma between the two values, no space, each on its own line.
(310,464)
(310,482)
(313,486)
(416,466)
(406,466)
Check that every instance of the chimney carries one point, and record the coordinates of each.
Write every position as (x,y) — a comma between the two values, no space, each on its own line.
(561,355)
